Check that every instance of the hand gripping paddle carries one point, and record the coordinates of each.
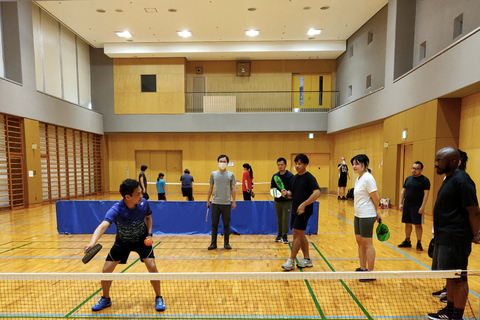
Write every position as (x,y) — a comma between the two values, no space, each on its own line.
(91,253)
(279,183)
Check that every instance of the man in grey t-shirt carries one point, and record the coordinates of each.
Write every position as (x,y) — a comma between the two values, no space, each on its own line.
(222,186)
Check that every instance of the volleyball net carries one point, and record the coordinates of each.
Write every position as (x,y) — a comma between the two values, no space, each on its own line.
(265,295)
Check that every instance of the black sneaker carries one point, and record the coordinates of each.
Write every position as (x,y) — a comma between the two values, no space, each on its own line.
(440,315)
(278,238)
(444,299)
(405,244)
(212,246)
(419,246)
(440,294)
(227,246)
(343,198)
(339,198)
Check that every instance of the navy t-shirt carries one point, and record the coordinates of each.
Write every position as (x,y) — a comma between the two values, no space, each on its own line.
(414,190)
(302,188)
(451,223)
(286,178)
(131,226)
(186,180)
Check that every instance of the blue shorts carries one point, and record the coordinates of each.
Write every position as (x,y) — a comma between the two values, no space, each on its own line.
(411,215)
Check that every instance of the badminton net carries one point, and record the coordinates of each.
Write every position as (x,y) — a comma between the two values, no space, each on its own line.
(265,295)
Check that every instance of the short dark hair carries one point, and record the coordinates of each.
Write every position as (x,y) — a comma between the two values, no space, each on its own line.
(186,171)
(223,156)
(419,163)
(282,159)
(303,158)
(128,186)
(463,160)
(362,159)
(143,167)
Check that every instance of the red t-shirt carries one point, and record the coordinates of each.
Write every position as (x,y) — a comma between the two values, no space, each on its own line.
(246,176)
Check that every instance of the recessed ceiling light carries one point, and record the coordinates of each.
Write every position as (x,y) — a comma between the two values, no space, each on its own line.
(123,34)
(151,10)
(252,33)
(172,10)
(118,10)
(100,11)
(313,32)
(307,8)
(184,33)
(325,8)
(252,9)
(129,40)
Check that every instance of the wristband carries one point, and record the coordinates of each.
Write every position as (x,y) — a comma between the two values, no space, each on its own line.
(477,236)
(150,235)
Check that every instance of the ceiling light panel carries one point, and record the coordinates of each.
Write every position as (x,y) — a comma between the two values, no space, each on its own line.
(184,33)
(151,10)
(313,32)
(123,34)
(252,33)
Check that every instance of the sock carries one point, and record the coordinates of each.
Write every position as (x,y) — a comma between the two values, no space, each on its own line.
(449,308)
(457,314)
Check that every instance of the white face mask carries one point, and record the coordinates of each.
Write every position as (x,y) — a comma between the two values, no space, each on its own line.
(222,165)
(343,161)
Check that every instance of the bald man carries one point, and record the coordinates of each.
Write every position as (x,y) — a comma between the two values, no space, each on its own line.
(456,224)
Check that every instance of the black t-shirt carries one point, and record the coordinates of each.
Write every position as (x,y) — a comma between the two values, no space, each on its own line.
(140,177)
(343,171)
(451,224)
(414,190)
(302,188)
(286,178)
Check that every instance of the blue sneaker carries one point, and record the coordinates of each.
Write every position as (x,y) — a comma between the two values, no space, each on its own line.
(102,303)
(159,304)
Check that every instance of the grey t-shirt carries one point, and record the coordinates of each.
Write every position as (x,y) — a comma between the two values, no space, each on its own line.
(222,186)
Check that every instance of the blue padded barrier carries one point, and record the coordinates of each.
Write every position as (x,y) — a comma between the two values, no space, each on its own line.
(176,217)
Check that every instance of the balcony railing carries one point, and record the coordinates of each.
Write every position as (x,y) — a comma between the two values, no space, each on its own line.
(260,101)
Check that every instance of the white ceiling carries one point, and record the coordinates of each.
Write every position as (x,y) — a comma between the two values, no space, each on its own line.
(218,27)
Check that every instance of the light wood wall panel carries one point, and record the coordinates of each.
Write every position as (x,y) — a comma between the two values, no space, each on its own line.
(200,152)
(170,95)
(348,144)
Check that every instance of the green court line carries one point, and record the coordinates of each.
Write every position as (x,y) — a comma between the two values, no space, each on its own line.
(93,295)
(317,305)
(369,317)
(20,247)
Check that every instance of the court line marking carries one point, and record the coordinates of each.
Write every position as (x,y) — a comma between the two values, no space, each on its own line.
(28,221)
(405,254)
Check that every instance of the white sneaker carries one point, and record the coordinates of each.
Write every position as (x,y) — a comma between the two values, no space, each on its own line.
(289,265)
(305,263)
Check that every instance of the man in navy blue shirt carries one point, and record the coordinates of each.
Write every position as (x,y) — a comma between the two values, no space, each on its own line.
(133,218)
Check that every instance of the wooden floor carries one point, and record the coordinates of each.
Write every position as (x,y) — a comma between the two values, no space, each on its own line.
(29,243)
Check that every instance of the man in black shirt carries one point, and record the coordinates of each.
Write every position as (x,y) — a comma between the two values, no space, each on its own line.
(415,192)
(342,178)
(304,192)
(456,224)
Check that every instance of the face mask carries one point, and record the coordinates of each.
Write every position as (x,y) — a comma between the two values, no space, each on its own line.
(222,165)
(343,161)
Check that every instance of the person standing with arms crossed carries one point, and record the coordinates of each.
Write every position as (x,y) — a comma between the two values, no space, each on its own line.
(456,224)
(282,204)
(133,217)
(415,193)
(304,192)
(342,178)
(222,187)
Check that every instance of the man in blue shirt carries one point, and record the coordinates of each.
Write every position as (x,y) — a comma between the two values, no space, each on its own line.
(133,218)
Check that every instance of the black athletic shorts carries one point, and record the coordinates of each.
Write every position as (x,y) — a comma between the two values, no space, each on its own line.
(299,222)
(411,215)
(342,182)
(120,252)
(451,257)
(161,196)
(188,192)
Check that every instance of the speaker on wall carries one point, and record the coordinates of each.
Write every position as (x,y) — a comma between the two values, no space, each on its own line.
(199,70)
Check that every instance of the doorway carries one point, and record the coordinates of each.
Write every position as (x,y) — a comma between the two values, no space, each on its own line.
(319,167)
(167,162)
